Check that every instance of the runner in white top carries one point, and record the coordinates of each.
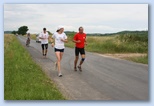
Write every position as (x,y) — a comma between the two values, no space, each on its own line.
(59,43)
(44,36)
(60,38)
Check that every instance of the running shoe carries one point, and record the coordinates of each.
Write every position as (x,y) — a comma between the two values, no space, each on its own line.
(60,75)
(79,67)
(75,69)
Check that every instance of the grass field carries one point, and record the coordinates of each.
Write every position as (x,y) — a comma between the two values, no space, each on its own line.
(111,45)
(23,78)
(141,59)
(116,44)
(33,36)
(123,42)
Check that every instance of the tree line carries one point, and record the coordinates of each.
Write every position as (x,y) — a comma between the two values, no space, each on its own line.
(21,31)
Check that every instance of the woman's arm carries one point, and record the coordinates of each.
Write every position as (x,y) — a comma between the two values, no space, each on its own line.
(64,40)
(51,40)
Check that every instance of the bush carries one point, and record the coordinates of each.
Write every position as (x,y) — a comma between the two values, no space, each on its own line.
(133,37)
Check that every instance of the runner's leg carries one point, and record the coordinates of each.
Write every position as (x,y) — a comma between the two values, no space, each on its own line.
(58,60)
(61,55)
(82,60)
(82,52)
(76,58)
(46,49)
(42,49)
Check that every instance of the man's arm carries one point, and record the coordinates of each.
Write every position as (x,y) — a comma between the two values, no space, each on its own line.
(74,39)
(40,36)
(85,42)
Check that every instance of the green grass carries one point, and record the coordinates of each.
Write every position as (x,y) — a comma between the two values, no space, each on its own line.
(111,44)
(123,43)
(141,59)
(23,78)
(33,36)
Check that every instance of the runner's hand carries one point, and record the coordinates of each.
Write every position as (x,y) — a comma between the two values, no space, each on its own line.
(62,40)
(78,41)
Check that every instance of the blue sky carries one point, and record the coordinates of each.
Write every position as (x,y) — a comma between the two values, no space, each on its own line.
(95,18)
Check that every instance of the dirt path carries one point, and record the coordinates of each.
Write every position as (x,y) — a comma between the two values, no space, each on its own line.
(127,55)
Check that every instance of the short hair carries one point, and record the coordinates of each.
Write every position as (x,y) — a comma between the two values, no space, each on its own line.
(44,29)
(57,30)
(80,27)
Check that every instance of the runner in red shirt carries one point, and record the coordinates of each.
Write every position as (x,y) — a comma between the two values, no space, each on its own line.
(80,41)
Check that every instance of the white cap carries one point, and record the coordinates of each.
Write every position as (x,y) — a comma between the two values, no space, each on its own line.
(59,27)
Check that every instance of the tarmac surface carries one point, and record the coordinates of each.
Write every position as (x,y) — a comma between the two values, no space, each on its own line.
(102,78)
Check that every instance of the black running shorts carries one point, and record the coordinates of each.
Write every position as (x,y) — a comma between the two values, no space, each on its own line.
(59,50)
(79,50)
(44,45)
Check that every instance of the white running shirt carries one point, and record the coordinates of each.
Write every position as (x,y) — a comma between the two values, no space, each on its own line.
(44,35)
(58,43)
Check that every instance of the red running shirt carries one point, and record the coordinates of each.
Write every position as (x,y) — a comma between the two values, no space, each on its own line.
(82,38)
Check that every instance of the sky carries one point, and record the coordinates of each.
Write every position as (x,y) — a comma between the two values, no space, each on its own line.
(95,18)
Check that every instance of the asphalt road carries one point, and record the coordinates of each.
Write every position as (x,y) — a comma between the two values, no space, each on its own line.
(103,78)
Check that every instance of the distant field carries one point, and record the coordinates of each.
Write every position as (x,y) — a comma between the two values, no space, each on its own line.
(23,78)
(112,44)
(122,43)
(33,36)
(141,59)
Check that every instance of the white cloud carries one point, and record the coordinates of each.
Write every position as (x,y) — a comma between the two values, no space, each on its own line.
(94,17)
